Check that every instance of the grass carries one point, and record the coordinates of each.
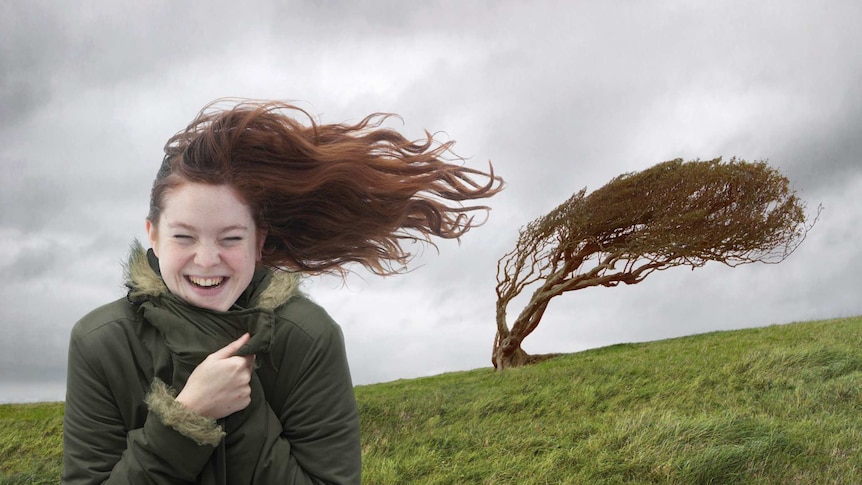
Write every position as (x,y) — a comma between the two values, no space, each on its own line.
(772,405)
(31,443)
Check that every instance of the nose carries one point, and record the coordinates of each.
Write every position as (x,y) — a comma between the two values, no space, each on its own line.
(207,255)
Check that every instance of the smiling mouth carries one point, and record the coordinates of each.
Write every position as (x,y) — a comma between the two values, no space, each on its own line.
(206,282)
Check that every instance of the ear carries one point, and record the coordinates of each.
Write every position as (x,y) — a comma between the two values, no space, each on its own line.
(152,235)
(261,239)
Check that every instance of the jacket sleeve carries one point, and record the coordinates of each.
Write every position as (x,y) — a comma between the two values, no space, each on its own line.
(98,447)
(312,427)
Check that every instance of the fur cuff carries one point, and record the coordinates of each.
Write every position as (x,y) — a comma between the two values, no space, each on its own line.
(203,430)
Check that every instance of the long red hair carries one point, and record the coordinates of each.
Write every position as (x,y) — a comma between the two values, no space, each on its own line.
(326,194)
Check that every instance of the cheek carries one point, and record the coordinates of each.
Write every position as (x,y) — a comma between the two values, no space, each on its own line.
(168,267)
(171,261)
(243,261)
(251,260)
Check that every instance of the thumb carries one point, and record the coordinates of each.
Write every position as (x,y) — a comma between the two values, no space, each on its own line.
(230,349)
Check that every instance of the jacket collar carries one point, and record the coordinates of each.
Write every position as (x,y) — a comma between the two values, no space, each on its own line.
(191,333)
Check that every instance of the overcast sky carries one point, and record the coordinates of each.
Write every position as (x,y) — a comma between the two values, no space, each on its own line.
(558,95)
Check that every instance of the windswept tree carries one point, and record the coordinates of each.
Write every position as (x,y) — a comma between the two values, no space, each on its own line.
(673,214)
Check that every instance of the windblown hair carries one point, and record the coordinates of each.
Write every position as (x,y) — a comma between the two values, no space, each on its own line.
(326,194)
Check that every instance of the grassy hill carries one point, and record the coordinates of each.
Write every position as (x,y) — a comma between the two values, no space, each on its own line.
(773,405)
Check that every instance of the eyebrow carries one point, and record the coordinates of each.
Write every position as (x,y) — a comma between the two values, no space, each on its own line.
(189,227)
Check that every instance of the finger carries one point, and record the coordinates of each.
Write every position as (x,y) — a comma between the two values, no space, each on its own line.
(231,348)
(239,364)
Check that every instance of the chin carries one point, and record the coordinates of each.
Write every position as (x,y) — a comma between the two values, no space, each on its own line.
(209,304)
(219,307)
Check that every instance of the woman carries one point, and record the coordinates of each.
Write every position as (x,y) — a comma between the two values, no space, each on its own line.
(215,369)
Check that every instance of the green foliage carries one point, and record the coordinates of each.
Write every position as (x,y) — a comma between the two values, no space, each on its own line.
(771,405)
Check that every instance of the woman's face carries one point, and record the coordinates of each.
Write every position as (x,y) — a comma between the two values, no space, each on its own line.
(207,244)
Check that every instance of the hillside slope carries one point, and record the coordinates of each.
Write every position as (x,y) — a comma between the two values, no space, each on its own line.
(778,404)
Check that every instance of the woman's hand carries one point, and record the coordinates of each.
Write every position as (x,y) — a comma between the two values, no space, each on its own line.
(219,386)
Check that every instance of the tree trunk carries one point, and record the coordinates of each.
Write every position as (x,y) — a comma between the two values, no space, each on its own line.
(507,343)
(508,353)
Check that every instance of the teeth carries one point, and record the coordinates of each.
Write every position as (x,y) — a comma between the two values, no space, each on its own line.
(206,282)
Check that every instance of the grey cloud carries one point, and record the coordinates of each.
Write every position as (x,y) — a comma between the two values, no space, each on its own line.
(51,50)
(831,151)
(559,96)
(29,44)
(28,201)
(34,263)
(36,340)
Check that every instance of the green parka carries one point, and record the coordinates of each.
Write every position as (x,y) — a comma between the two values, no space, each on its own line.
(128,359)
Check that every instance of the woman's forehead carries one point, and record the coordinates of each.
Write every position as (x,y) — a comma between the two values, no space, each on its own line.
(194,206)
